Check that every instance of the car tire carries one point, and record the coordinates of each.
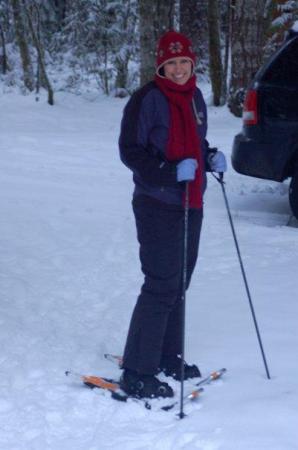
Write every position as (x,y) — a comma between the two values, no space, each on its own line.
(293,194)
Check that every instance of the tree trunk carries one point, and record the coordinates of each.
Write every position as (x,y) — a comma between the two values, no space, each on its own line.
(121,65)
(129,19)
(226,27)
(247,43)
(60,7)
(3,56)
(194,24)
(40,54)
(23,45)
(156,17)
(105,74)
(215,65)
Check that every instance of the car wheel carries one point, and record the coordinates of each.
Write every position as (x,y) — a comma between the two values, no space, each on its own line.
(293,194)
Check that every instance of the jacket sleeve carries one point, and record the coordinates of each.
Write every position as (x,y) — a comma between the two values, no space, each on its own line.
(136,152)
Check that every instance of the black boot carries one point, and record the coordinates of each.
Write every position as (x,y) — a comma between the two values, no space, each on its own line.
(144,386)
(171,366)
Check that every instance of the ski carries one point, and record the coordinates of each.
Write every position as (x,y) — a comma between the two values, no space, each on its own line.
(92,382)
(117,393)
(212,377)
(118,360)
(195,393)
(190,397)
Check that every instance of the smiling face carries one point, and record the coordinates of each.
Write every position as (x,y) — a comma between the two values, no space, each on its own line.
(178,70)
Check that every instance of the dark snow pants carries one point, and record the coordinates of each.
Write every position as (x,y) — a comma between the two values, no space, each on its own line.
(156,323)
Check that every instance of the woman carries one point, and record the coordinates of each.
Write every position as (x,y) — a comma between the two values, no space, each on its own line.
(163,142)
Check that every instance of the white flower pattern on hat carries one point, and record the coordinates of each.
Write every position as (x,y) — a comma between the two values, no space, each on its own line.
(175,47)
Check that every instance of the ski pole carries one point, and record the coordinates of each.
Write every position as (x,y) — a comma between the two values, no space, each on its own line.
(183,296)
(221,182)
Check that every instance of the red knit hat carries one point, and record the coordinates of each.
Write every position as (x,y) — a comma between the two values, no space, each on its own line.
(172,45)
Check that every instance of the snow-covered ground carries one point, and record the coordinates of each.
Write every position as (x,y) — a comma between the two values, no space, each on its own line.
(69,277)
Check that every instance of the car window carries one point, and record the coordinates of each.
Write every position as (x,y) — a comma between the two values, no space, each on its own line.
(279,102)
(284,69)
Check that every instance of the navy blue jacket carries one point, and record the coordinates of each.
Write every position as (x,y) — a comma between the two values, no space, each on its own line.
(143,141)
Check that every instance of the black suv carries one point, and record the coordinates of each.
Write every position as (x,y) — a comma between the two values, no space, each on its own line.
(267,147)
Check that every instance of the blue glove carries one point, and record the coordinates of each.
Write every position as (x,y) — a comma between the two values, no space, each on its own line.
(186,169)
(217,162)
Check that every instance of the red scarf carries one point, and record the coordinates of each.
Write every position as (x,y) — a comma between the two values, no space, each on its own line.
(184,141)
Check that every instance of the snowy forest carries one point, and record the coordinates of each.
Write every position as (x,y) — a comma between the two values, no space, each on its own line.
(70,272)
(80,45)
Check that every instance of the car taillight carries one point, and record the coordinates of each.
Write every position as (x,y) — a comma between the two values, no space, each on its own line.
(250,108)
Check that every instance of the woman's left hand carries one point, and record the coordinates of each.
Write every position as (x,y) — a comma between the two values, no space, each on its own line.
(217,162)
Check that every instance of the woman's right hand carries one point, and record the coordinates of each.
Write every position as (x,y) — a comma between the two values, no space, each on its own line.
(186,169)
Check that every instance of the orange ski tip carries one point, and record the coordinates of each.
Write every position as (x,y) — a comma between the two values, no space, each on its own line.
(99,382)
(217,374)
(195,394)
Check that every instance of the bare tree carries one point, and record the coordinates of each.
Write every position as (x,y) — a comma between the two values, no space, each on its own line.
(60,9)
(42,73)
(247,43)
(3,56)
(4,27)
(226,29)
(215,63)
(156,17)
(124,44)
(21,37)
(194,23)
